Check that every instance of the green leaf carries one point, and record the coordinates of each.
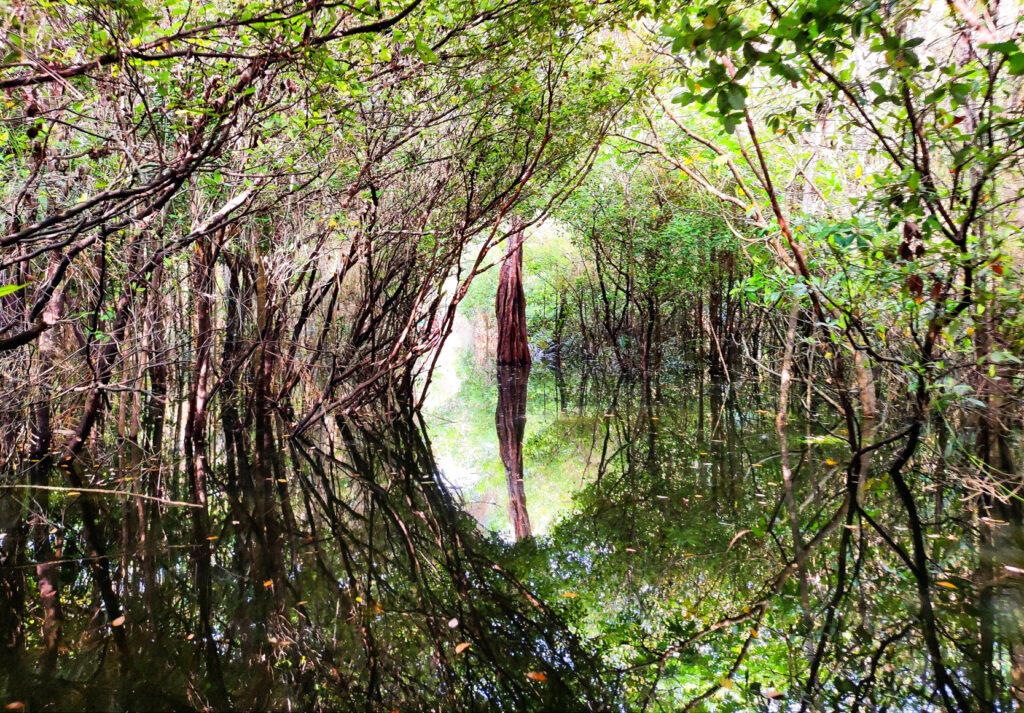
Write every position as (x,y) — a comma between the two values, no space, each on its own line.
(737,96)
(1008,47)
(8,289)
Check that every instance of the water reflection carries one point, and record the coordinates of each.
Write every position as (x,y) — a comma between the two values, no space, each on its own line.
(510,422)
(684,552)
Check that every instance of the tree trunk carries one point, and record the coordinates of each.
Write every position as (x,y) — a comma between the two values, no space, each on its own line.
(511,303)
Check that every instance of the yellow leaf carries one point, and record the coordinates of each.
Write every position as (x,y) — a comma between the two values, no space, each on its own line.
(753,632)
(947,585)
(74,494)
(829,461)
(726,682)
(461,647)
(536,676)
(119,621)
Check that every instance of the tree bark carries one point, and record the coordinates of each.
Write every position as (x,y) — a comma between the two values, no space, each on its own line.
(511,303)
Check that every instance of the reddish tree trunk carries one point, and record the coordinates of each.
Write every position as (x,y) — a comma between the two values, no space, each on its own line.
(510,421)
(511,304)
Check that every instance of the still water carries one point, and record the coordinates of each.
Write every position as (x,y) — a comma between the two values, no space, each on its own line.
(545,539)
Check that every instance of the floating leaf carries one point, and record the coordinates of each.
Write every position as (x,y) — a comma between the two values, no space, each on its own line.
(536,676)
(462,647)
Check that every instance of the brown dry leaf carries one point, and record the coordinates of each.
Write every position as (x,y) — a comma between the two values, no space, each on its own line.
(119,621)
(462,647)
(536,676)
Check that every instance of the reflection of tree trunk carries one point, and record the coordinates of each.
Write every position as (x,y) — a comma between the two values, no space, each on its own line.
(510,420)
(47,573)
(781,429)
(511,304)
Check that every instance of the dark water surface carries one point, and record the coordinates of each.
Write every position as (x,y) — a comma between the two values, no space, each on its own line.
(554,540)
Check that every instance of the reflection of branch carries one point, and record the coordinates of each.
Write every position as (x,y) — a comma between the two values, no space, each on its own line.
(101,491)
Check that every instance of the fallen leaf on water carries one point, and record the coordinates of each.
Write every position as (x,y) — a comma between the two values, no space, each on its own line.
(570,594)
(452,623)
(947,585)
(119,621)
(536,676)
(462,647)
